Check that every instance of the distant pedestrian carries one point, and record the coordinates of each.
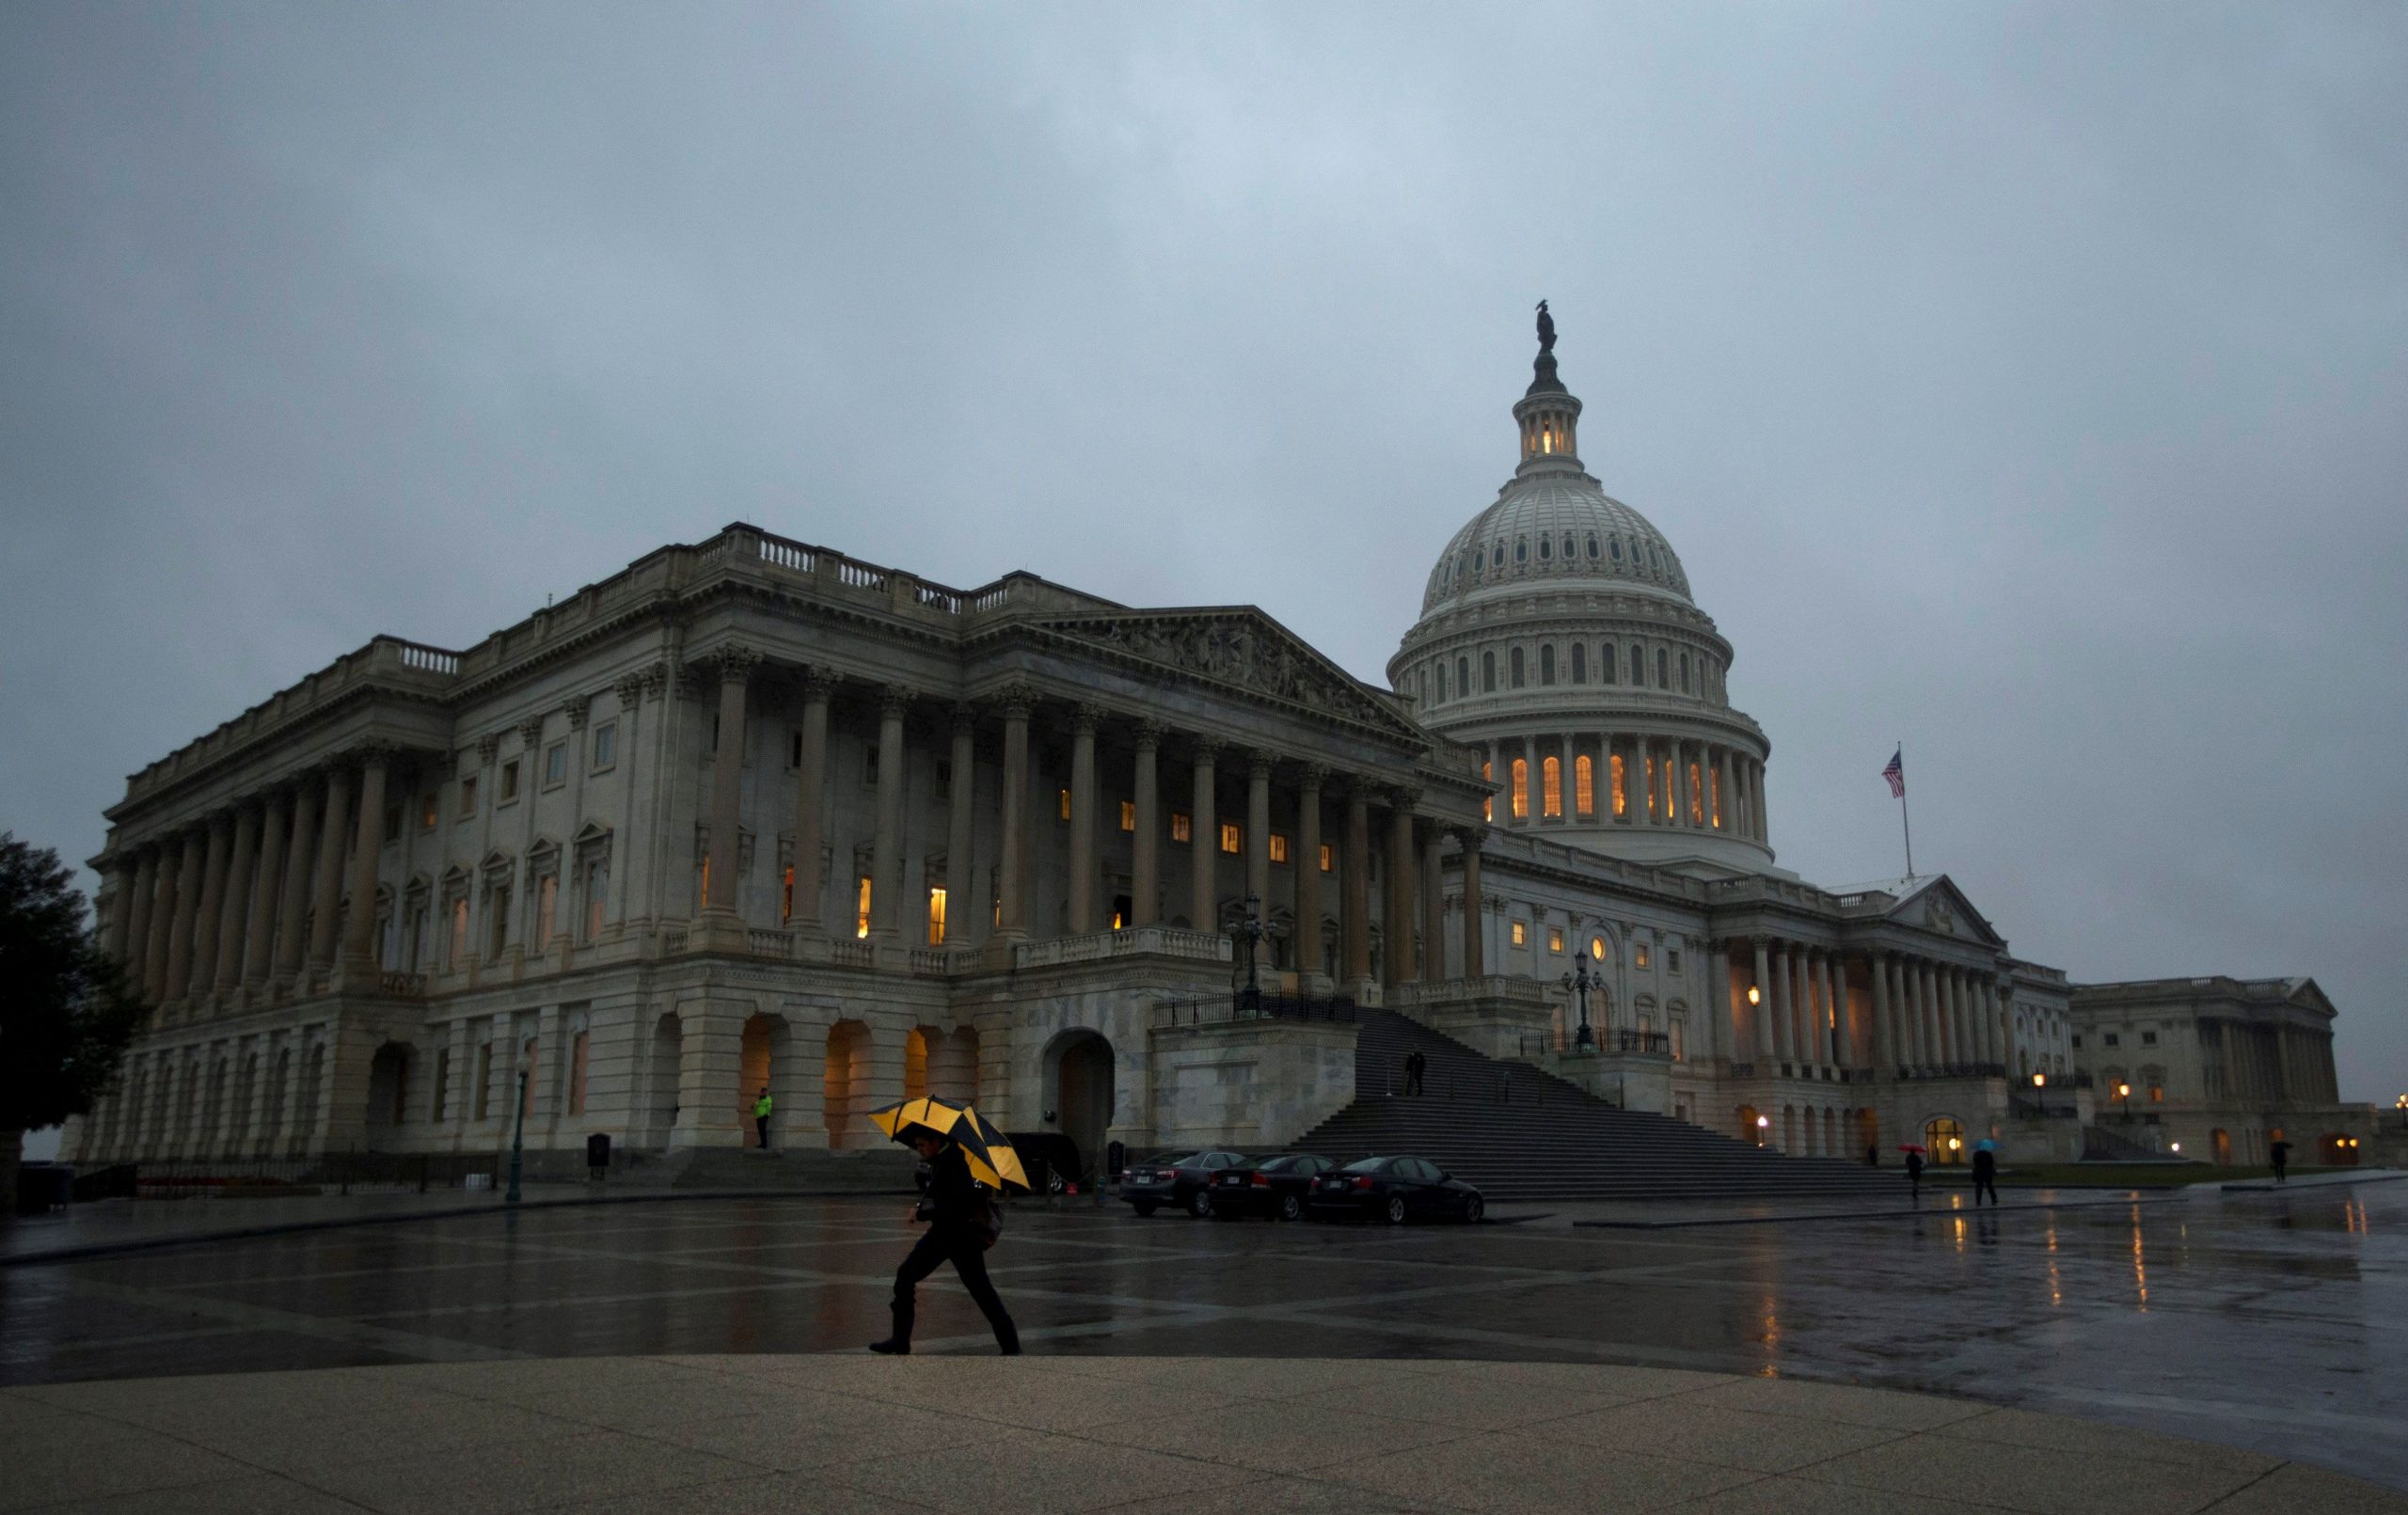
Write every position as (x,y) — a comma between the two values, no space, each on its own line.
(2279,1154)
(1914,1174)
(1985,1174)
(962,1225)
(1414,1065)
(1873,1157)
(761,1116)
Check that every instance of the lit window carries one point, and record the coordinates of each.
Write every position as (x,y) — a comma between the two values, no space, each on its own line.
(1697,798)
(861,913)
(1584,783)
(1620,798)
(1554,939)
(605,745)
(427,811)
(936,917)
(1521,934)
(1521,789)
(1642,955)
(1551,787)
(1714,791)
(703,881)
(1488,804)
(1065,804)
(1278,846)
(1597,948)
(1182,826)
(1329,859)
(1675,1028)
(556,763)
(786,894)
(548,894)
(2157,1093)
(1128,814)
(1232,838)
(468,796)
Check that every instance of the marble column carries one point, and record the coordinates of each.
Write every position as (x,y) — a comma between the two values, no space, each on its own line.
(1204,842)
(1885,1031)
(206,921)
(1258,844)
(119,885)
(1756,793)
(735,664)
(1308,901)
(1146,842)
(259,933)
(894,782)
(1475,912)
(333,822)
(1780,998)
(188,886)
(234,911)
(1934,1018)
(1434,904)
(1354,873)
(137,919)
(292,896)
(1012,859)
(1725,812)
(1684,787)
(1831,1027)
(368,846)
(1397,962)
(811,804)
(1567,787)
(1762,1011)
(961,923)
(1082,865)
(1802,1005)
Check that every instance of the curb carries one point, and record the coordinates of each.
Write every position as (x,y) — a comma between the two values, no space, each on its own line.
(495,1208)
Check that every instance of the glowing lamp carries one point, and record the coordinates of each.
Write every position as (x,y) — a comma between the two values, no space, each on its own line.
(1763,1121)
(2178,1147)
(1955,1143)
(2040,1080)
(1756,996)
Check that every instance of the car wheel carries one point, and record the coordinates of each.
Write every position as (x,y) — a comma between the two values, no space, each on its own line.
(1395,1211)
(1200,1203)
(1292,1208)
(1472,1208)
(1145,1207)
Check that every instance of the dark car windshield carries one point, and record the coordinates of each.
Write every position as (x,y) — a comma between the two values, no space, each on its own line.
(1182,1161)
(1367,1165)
(1277,1164)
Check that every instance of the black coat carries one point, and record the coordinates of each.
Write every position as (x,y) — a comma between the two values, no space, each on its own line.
(950,1197)
(1984,1163)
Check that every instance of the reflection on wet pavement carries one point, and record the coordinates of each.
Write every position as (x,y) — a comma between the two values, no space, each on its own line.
(2274,1321)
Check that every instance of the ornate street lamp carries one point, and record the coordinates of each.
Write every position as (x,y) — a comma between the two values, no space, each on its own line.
(1579,981)
(518,1131)
(1248,934)
(2124,1093)
(2401,1105)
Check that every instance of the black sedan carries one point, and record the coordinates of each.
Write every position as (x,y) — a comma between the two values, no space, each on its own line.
(1185,1181)
(1395,1189)
(1279,1185)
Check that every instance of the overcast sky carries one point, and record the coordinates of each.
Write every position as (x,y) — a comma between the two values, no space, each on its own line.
(2024,383)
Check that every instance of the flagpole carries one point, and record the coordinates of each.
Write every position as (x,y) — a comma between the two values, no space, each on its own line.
(1905,825)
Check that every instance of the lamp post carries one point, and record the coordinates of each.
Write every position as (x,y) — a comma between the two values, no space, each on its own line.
(1764,1129)
(519,1133)
(2124,1093)
(1247,932)
(1579,981)
(2401,1105)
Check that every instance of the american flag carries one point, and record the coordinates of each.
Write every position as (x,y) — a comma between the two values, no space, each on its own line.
(1896,774)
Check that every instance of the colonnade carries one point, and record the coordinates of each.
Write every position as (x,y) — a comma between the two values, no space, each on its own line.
(1917,1014)
(256,1095)
(1630,779)
(1366,811)
(222,906)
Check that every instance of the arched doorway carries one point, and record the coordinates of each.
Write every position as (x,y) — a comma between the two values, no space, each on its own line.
(1079,1091)
(1868,1132)
(844,1096)
(664,1061)
(919,1049)
(388,1089)
(2219,1140)
(762,1050)
(1752,1124)
(2337,1149)
(1943,1141)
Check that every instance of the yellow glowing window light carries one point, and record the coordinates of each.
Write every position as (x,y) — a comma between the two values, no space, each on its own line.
(1551,786)
(1521,789)
(1614,779)
(936,917)
(1182,826)
(1584,785)
(1128,814)
(1278,846)
(1232,838)
(860,920)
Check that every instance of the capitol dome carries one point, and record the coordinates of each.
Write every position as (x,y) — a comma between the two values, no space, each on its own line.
(1558,638)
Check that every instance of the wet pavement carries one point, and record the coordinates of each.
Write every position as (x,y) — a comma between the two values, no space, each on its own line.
(2275,1321)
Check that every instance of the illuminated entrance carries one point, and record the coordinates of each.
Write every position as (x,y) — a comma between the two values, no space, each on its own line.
(1943,1141)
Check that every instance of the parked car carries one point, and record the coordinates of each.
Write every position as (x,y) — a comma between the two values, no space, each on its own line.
(1185,1181)
(1279,1185)
(1395,1189)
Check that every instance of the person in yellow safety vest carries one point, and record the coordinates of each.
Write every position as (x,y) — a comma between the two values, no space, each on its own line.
(761,1116)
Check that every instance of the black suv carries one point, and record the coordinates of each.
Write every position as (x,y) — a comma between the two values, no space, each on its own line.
(1185,1181)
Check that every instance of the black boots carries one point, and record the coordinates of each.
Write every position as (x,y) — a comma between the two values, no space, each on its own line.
(892,1347)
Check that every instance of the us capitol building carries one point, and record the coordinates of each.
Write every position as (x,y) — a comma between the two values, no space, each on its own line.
(753,813)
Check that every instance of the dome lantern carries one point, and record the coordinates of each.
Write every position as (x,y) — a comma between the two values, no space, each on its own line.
(1547,413)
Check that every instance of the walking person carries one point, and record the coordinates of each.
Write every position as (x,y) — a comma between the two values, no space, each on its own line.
(961,1224)
(1414,1065)
(2279,1154)
(761,1116)
(1985,1173)
(1914,1175)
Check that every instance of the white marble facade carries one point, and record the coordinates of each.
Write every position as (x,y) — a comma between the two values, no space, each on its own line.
(972,843)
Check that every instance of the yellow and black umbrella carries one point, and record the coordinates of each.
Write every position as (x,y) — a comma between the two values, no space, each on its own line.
(988,1151)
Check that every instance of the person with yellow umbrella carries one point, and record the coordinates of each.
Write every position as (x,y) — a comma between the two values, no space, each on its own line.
(969,1163)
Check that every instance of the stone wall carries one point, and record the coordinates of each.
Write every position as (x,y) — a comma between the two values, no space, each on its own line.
(1248,1085)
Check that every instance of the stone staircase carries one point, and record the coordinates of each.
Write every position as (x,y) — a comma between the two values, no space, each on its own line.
(1522,1134)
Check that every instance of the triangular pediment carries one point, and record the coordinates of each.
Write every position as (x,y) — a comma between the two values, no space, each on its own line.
(1933,903)
(2308,994)
(1241,647)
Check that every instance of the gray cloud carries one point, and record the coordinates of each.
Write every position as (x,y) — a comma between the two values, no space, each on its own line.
(2024,383)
